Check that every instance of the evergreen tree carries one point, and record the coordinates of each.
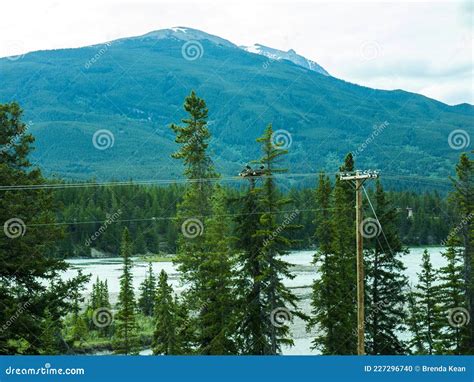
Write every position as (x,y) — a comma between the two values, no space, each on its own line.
(217,316)
(49,335)
(104,296)
(425,321)
(278,300)
(146,301)
(27,245)
(165,337)
(343,307)
(385,296)
(79,327)
(187,333)
(126,341)
(325,286)
(250,283)
(195,258)
(452,299)
(98,301)
(463,197)
(417,342)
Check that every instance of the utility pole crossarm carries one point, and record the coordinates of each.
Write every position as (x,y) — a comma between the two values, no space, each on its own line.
(359,175)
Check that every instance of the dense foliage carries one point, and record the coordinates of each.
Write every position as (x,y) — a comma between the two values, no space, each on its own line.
(150,210)
(228,247)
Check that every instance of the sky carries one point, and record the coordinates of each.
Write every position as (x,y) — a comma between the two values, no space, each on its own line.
(424,47)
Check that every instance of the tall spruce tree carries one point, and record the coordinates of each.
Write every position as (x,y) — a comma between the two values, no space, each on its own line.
(325,286)
(218,314)
(126,340)
(196,260)
(98,301)
(385,286)
(28,243)
(146,302)
(250,311)
(425,320)
(452,299)
(166,339)
(278,298)
(79,326)
(463,197)
(343,307)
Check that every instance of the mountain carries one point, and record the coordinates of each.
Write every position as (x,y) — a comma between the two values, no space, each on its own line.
(134,88)
(275,54)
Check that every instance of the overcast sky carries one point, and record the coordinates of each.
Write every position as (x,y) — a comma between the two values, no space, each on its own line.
(425,47)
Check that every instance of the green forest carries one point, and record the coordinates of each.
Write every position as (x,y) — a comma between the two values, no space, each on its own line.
(149,212)
(228,243)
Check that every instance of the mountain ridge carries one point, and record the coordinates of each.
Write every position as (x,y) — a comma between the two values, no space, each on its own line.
(135,88)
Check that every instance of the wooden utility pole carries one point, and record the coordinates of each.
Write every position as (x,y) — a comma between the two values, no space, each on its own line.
(359,177)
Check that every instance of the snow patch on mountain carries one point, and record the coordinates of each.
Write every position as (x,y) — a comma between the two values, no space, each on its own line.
(188,34)
(291,55)
(178,29)
(185,34)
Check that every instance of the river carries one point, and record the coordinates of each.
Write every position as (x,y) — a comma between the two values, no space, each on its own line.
(110,269)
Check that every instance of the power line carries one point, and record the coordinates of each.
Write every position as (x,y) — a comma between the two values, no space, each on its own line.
(416,178)
(174,217)
(376,217)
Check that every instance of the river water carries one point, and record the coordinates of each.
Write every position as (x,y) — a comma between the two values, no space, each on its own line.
(110,269)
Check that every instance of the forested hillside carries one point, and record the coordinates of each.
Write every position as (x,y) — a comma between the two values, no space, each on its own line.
(133,88)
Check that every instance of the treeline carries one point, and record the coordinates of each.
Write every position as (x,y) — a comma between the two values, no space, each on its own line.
(149,212)
(229,255)
(105,211)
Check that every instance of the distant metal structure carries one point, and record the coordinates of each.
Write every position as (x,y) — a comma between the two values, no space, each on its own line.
(359,177)
(252,174)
